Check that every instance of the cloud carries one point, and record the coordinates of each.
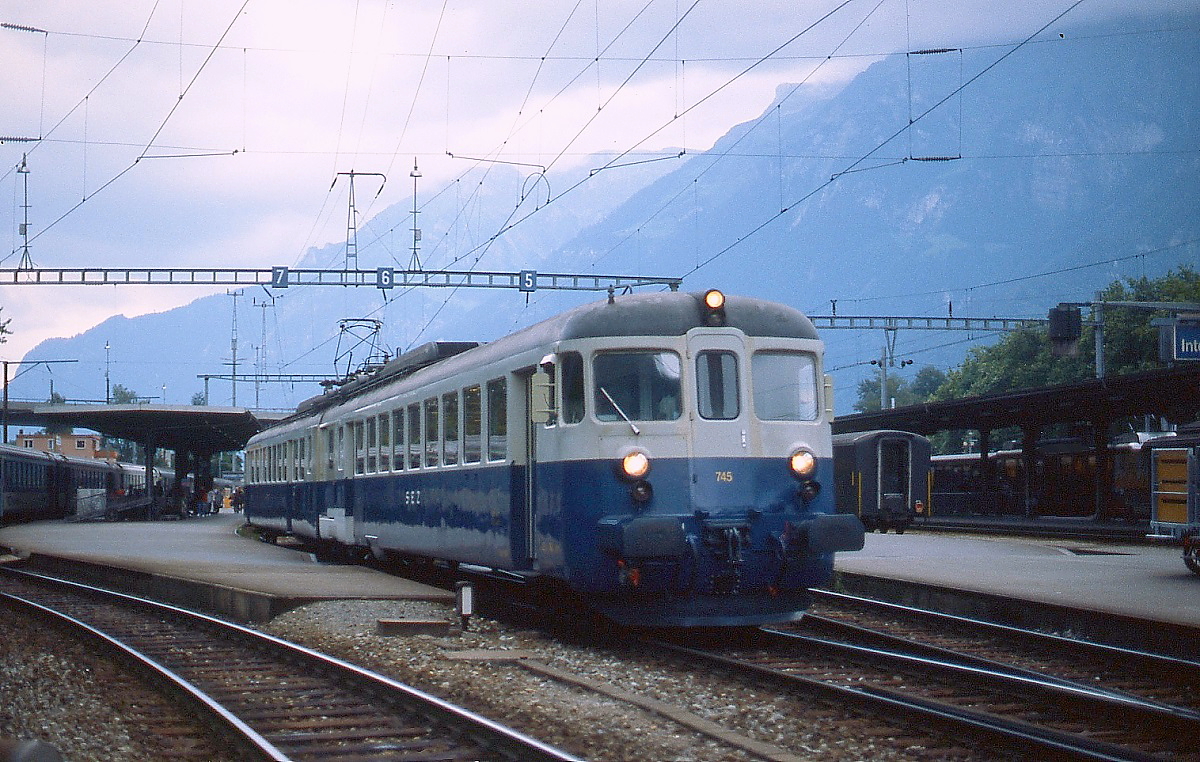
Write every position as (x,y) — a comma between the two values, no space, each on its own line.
(258,128)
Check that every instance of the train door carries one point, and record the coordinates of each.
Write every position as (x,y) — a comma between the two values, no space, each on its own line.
(715,359)
(895,486)
(524,489)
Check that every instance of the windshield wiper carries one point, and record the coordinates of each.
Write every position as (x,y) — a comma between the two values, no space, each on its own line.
(620,412)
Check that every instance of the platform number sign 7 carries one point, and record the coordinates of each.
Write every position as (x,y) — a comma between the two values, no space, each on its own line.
(279,277)
(527,280)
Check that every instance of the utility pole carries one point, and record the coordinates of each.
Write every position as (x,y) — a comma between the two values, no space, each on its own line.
(233,341)
(261,359)
(6,363)
(415,262)
(26,260)
(886,360)
(352,216)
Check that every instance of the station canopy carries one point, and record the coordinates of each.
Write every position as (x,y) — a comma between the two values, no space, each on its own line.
(182,428)
(1171,392)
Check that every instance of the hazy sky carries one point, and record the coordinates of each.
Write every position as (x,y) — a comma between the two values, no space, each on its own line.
(209,134)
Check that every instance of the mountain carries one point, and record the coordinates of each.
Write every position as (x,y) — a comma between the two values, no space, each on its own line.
(1061,166)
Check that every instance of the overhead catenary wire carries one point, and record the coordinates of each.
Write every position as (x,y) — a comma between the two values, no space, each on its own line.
(513,221)
(1032,276)
(758,228)
(162,125)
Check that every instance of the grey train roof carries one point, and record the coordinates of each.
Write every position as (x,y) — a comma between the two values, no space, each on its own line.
(658,314)
(674,314)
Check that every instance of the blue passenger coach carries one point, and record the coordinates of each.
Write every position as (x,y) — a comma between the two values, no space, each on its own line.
(666,456)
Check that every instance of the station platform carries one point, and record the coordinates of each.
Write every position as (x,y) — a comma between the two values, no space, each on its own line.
(1131,593)
(203,562)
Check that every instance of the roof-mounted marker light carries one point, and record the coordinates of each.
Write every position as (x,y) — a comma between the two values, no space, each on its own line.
(714,307)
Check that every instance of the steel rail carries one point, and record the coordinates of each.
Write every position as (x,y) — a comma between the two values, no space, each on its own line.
(1045,688)
(1012,732)
(1129,655)
(505,739)
(901,644)
(229,722)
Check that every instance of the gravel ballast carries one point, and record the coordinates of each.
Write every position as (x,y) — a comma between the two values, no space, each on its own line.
(61,692)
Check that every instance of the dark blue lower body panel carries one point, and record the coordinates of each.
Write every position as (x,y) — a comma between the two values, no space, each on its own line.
(742,550)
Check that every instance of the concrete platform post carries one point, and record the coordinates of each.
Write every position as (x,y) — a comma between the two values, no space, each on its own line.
(154,507)
(1102,482)
(1030,434)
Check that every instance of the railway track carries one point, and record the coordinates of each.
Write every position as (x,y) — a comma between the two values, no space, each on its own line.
(1149,676)
(1112,704)
(271,699)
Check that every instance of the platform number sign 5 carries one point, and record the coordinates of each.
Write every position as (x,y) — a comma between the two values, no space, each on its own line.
(527,280)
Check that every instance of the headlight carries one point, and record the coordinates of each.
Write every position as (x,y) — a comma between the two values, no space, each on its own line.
(635,465)
(714,299)
(803,464)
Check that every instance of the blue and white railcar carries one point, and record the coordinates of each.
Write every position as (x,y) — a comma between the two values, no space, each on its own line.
(667,456)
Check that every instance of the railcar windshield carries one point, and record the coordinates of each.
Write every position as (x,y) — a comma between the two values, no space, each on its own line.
(785,386)
(636,385)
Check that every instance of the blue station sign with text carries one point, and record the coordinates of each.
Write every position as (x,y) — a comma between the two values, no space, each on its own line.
(1187,340)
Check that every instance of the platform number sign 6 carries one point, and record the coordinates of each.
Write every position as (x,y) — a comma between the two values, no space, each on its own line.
(527,280)
(385,277)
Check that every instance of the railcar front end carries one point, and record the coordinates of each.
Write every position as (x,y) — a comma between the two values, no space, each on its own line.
(692,468)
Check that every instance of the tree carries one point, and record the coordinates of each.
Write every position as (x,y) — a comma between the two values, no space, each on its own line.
(123,396)
(199,399)
(1022,360)
(4,331)
(1130,341)
(903,392)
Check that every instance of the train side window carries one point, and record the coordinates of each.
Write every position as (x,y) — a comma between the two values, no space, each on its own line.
(450,428)
(717,385)
(309,464)
(341,449)
(433,434)
(414,436)
(497,419)
(385,442)
(372,446)
(571,374)
(785,386)
(329,450)
(472,424)
(398,451)
(360,460)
